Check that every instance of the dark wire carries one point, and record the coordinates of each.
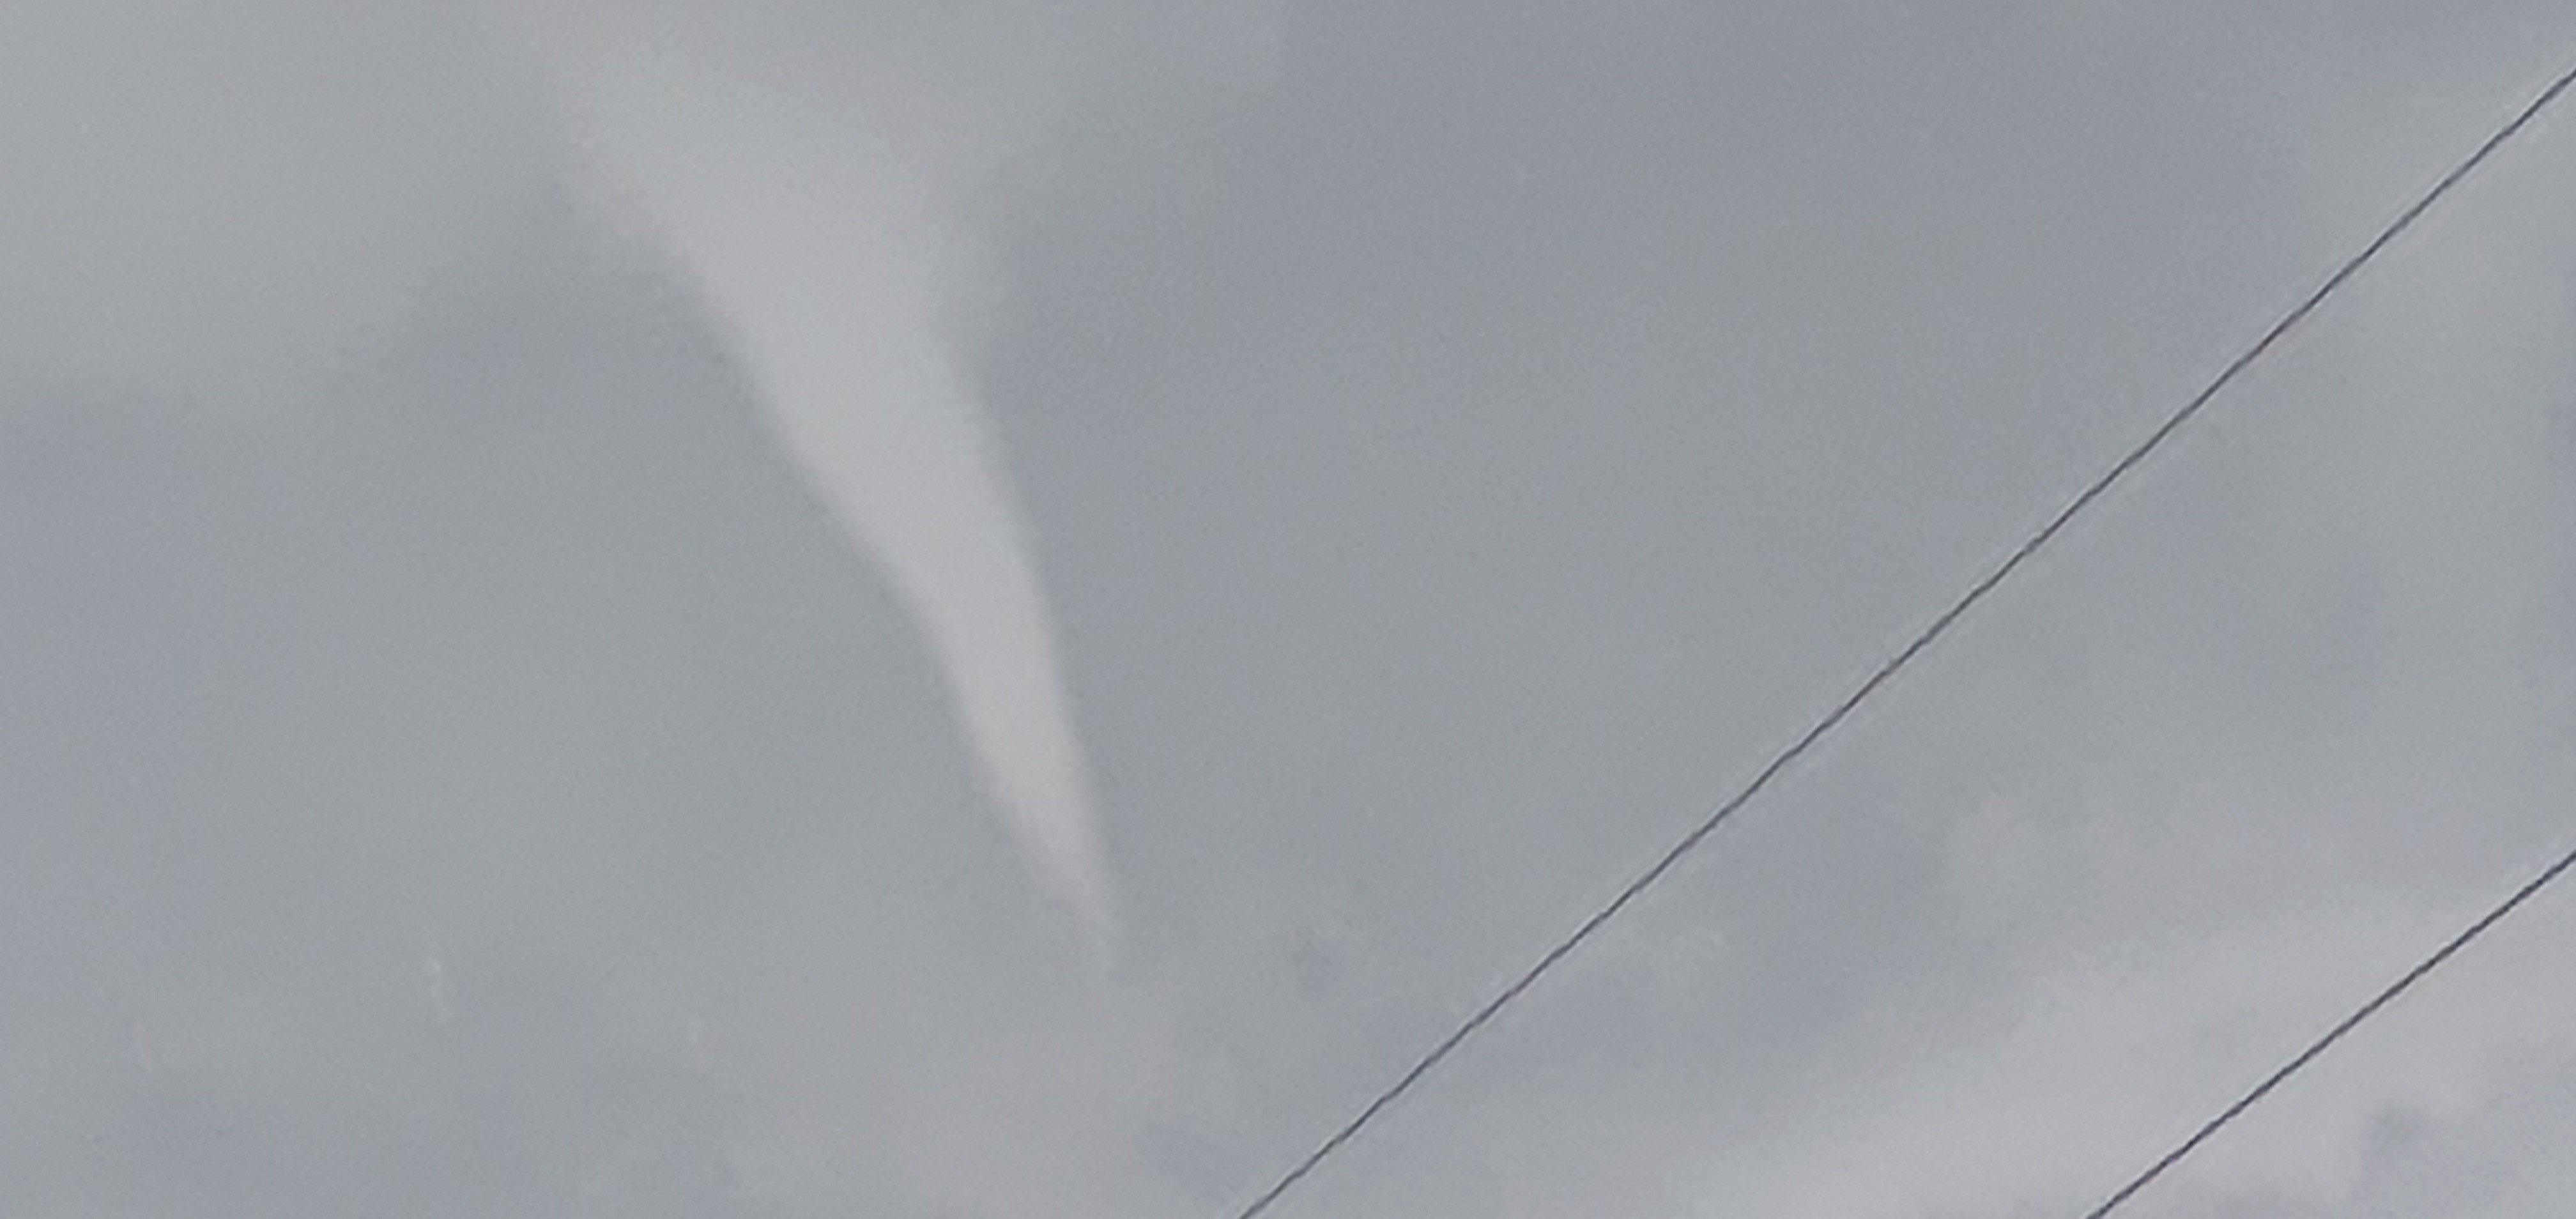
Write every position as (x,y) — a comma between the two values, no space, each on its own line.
(1905,656)
(2318,1047)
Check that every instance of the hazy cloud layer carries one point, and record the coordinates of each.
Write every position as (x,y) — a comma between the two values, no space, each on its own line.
(473,772)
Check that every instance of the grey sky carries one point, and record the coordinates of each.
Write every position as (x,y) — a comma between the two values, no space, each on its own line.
(450,764)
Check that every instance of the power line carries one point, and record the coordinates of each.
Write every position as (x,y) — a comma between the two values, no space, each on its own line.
(2300,1061)
(1905,656)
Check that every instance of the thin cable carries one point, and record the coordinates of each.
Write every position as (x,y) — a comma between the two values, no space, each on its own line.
(2318,1047)
(1905,656)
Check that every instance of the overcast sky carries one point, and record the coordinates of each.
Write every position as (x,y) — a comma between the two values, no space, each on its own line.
(463,754)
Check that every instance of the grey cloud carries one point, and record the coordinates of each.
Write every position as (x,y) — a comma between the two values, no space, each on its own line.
(1459,446)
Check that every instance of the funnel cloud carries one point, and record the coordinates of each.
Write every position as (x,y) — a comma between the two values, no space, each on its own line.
(807,179)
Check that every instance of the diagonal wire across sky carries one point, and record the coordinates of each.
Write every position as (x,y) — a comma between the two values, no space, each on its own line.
(2315,1049)
(1940,626)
